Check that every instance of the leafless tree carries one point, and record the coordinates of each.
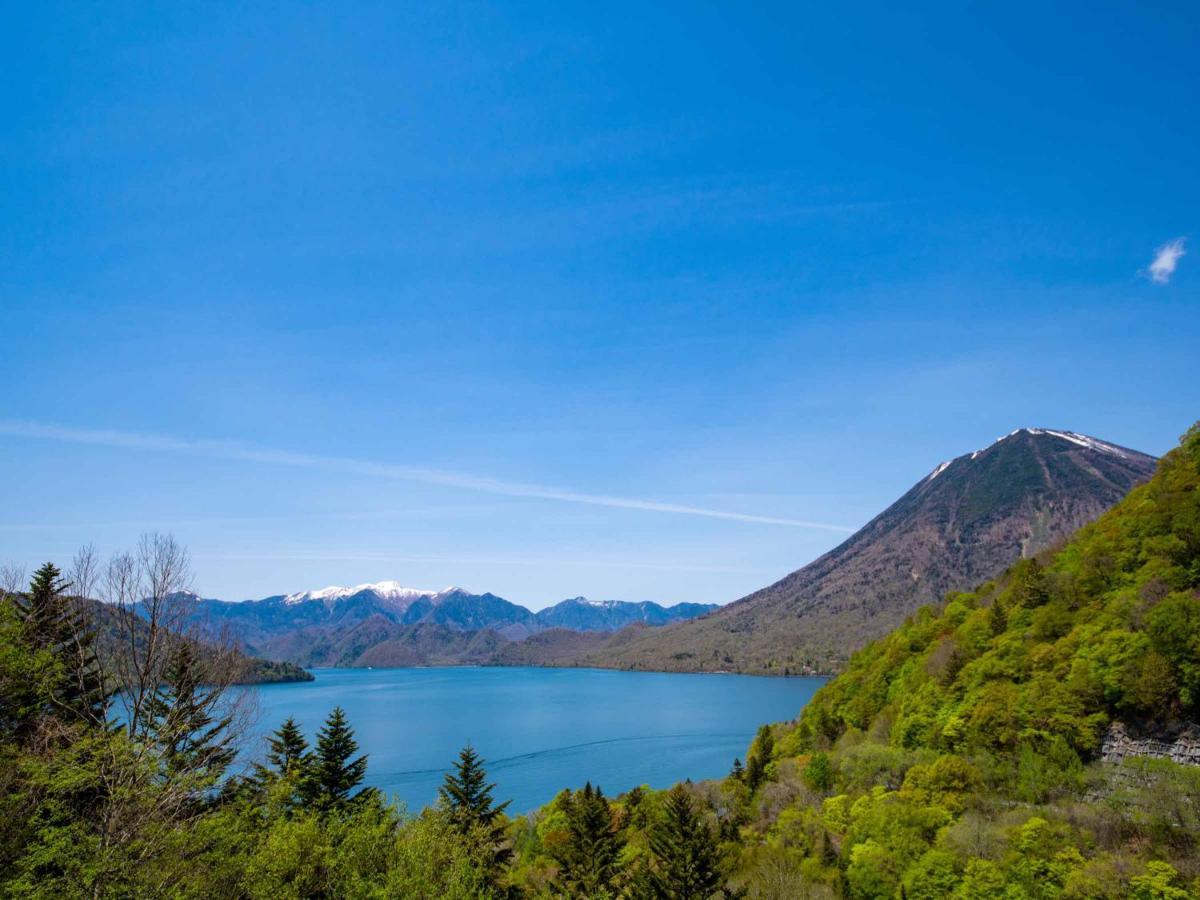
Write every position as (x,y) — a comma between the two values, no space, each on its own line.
(143,588)
(153,607)
(84,574)
(12,579)
(84,664)
(148,601)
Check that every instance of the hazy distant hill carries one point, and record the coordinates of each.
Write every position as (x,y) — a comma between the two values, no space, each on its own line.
(965,522)
(387,624)
(581,614)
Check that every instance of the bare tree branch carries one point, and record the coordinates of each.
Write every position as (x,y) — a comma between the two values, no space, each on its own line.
(12,579)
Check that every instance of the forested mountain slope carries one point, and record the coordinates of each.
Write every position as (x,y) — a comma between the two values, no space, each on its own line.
(961,524)
(960,754)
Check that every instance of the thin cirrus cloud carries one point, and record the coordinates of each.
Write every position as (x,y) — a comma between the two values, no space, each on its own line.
(1166,258)
(461,480)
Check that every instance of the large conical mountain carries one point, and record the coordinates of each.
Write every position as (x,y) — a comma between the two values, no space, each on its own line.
(965,522)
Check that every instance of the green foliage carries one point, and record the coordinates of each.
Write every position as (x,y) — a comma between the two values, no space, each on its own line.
(51,622)
(330,774)
(466,796)
(818,774)
(964,746)
(684,850)
(192,741)
(287,749)
(589,857)
(759,757)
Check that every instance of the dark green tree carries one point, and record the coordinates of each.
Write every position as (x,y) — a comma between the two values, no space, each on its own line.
(287,749)
(758,757)
(684,850)
(183,721)
(997,619)
(466,795)
(331,775)
(1028,586)
(637,810)
(53,622)
(286,764)
(589,859)
(738,772)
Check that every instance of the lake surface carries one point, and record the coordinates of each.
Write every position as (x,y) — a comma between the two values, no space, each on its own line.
(541,730)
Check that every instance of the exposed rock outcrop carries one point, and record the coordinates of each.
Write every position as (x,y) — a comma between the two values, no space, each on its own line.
(1176,741)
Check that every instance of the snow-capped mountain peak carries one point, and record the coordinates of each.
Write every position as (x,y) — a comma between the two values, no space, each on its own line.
(387,590)
(1082,440)
(600,604)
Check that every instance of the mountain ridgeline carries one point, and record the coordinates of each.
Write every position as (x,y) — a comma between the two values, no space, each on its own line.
(963,523)
(386,624)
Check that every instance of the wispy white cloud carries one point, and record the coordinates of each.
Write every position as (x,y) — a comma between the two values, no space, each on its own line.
(464,481)
(1166,258)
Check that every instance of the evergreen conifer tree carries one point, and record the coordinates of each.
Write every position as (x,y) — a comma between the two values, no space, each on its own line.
(1028,585)
(467,797)
(287,748)
(684,850)
(331,775)
(193,741)
(287,762)
(997,619)
(758,757)
(738,772)
(589,860)
(51,622)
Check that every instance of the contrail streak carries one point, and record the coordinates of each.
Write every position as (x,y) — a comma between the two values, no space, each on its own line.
(248,453)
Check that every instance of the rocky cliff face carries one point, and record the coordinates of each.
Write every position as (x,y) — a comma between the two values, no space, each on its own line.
(1177,741)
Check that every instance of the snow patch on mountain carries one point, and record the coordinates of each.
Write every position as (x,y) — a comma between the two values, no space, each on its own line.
(387,590)
(599,604)
(941,467)
(1081,440)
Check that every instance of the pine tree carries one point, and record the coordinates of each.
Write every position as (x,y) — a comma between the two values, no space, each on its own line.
(1028,586)
(997,620)
(738,772)
(589,860)
(287,763)
(51,622)
(467,797)
(193,741)
(287,749)
(684,850)
(330,774)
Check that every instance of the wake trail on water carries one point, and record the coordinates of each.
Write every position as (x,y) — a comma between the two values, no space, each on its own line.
(508,762)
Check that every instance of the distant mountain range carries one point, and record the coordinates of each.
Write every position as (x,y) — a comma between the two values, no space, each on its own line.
(388,624)
(963,523)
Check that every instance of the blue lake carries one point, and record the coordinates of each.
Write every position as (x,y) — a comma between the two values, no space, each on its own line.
(540,729)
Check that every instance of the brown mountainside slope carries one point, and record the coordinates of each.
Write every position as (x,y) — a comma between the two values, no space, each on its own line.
(962,524)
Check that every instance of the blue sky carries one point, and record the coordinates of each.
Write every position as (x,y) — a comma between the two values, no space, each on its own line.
(515,296)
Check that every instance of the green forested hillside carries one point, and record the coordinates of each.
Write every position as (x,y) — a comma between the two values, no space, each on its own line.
(958,755)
